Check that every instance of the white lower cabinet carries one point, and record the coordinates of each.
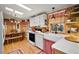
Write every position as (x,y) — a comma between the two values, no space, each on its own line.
(39,40)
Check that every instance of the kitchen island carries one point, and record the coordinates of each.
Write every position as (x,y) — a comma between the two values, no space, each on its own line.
(66,46)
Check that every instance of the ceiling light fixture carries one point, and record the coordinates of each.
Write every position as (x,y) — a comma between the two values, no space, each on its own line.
(18,12)
(11,21)
(25,7)
(9,9)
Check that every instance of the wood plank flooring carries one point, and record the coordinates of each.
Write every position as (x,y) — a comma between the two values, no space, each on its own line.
(24,45)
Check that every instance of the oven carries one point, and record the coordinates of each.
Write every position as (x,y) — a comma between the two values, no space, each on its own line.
(32,37)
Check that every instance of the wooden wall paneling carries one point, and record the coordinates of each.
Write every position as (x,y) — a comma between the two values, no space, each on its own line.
(59,18)
(9,27)
(23,26)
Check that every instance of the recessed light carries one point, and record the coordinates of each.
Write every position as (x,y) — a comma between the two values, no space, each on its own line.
(9,9)
(25,7)
(18,12)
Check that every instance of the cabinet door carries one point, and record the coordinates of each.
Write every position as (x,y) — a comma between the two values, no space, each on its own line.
(39,40)
(32,22)
(47,46)
(41,20)
(37,21)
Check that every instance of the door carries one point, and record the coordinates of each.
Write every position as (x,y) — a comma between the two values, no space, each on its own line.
(47,46)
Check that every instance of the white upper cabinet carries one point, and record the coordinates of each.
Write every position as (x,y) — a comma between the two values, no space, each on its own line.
(38,20)
(32,21)
(41,20)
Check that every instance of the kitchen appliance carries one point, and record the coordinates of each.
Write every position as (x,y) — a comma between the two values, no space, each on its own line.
(32,38)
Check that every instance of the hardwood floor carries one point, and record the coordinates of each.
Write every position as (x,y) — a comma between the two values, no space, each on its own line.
(24,45)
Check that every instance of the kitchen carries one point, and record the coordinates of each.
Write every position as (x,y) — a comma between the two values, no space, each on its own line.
(53,30)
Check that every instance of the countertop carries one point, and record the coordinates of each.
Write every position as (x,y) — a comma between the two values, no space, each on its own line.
(50,36)
(53,37)
(66,46)
(61,43)
(31,32)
